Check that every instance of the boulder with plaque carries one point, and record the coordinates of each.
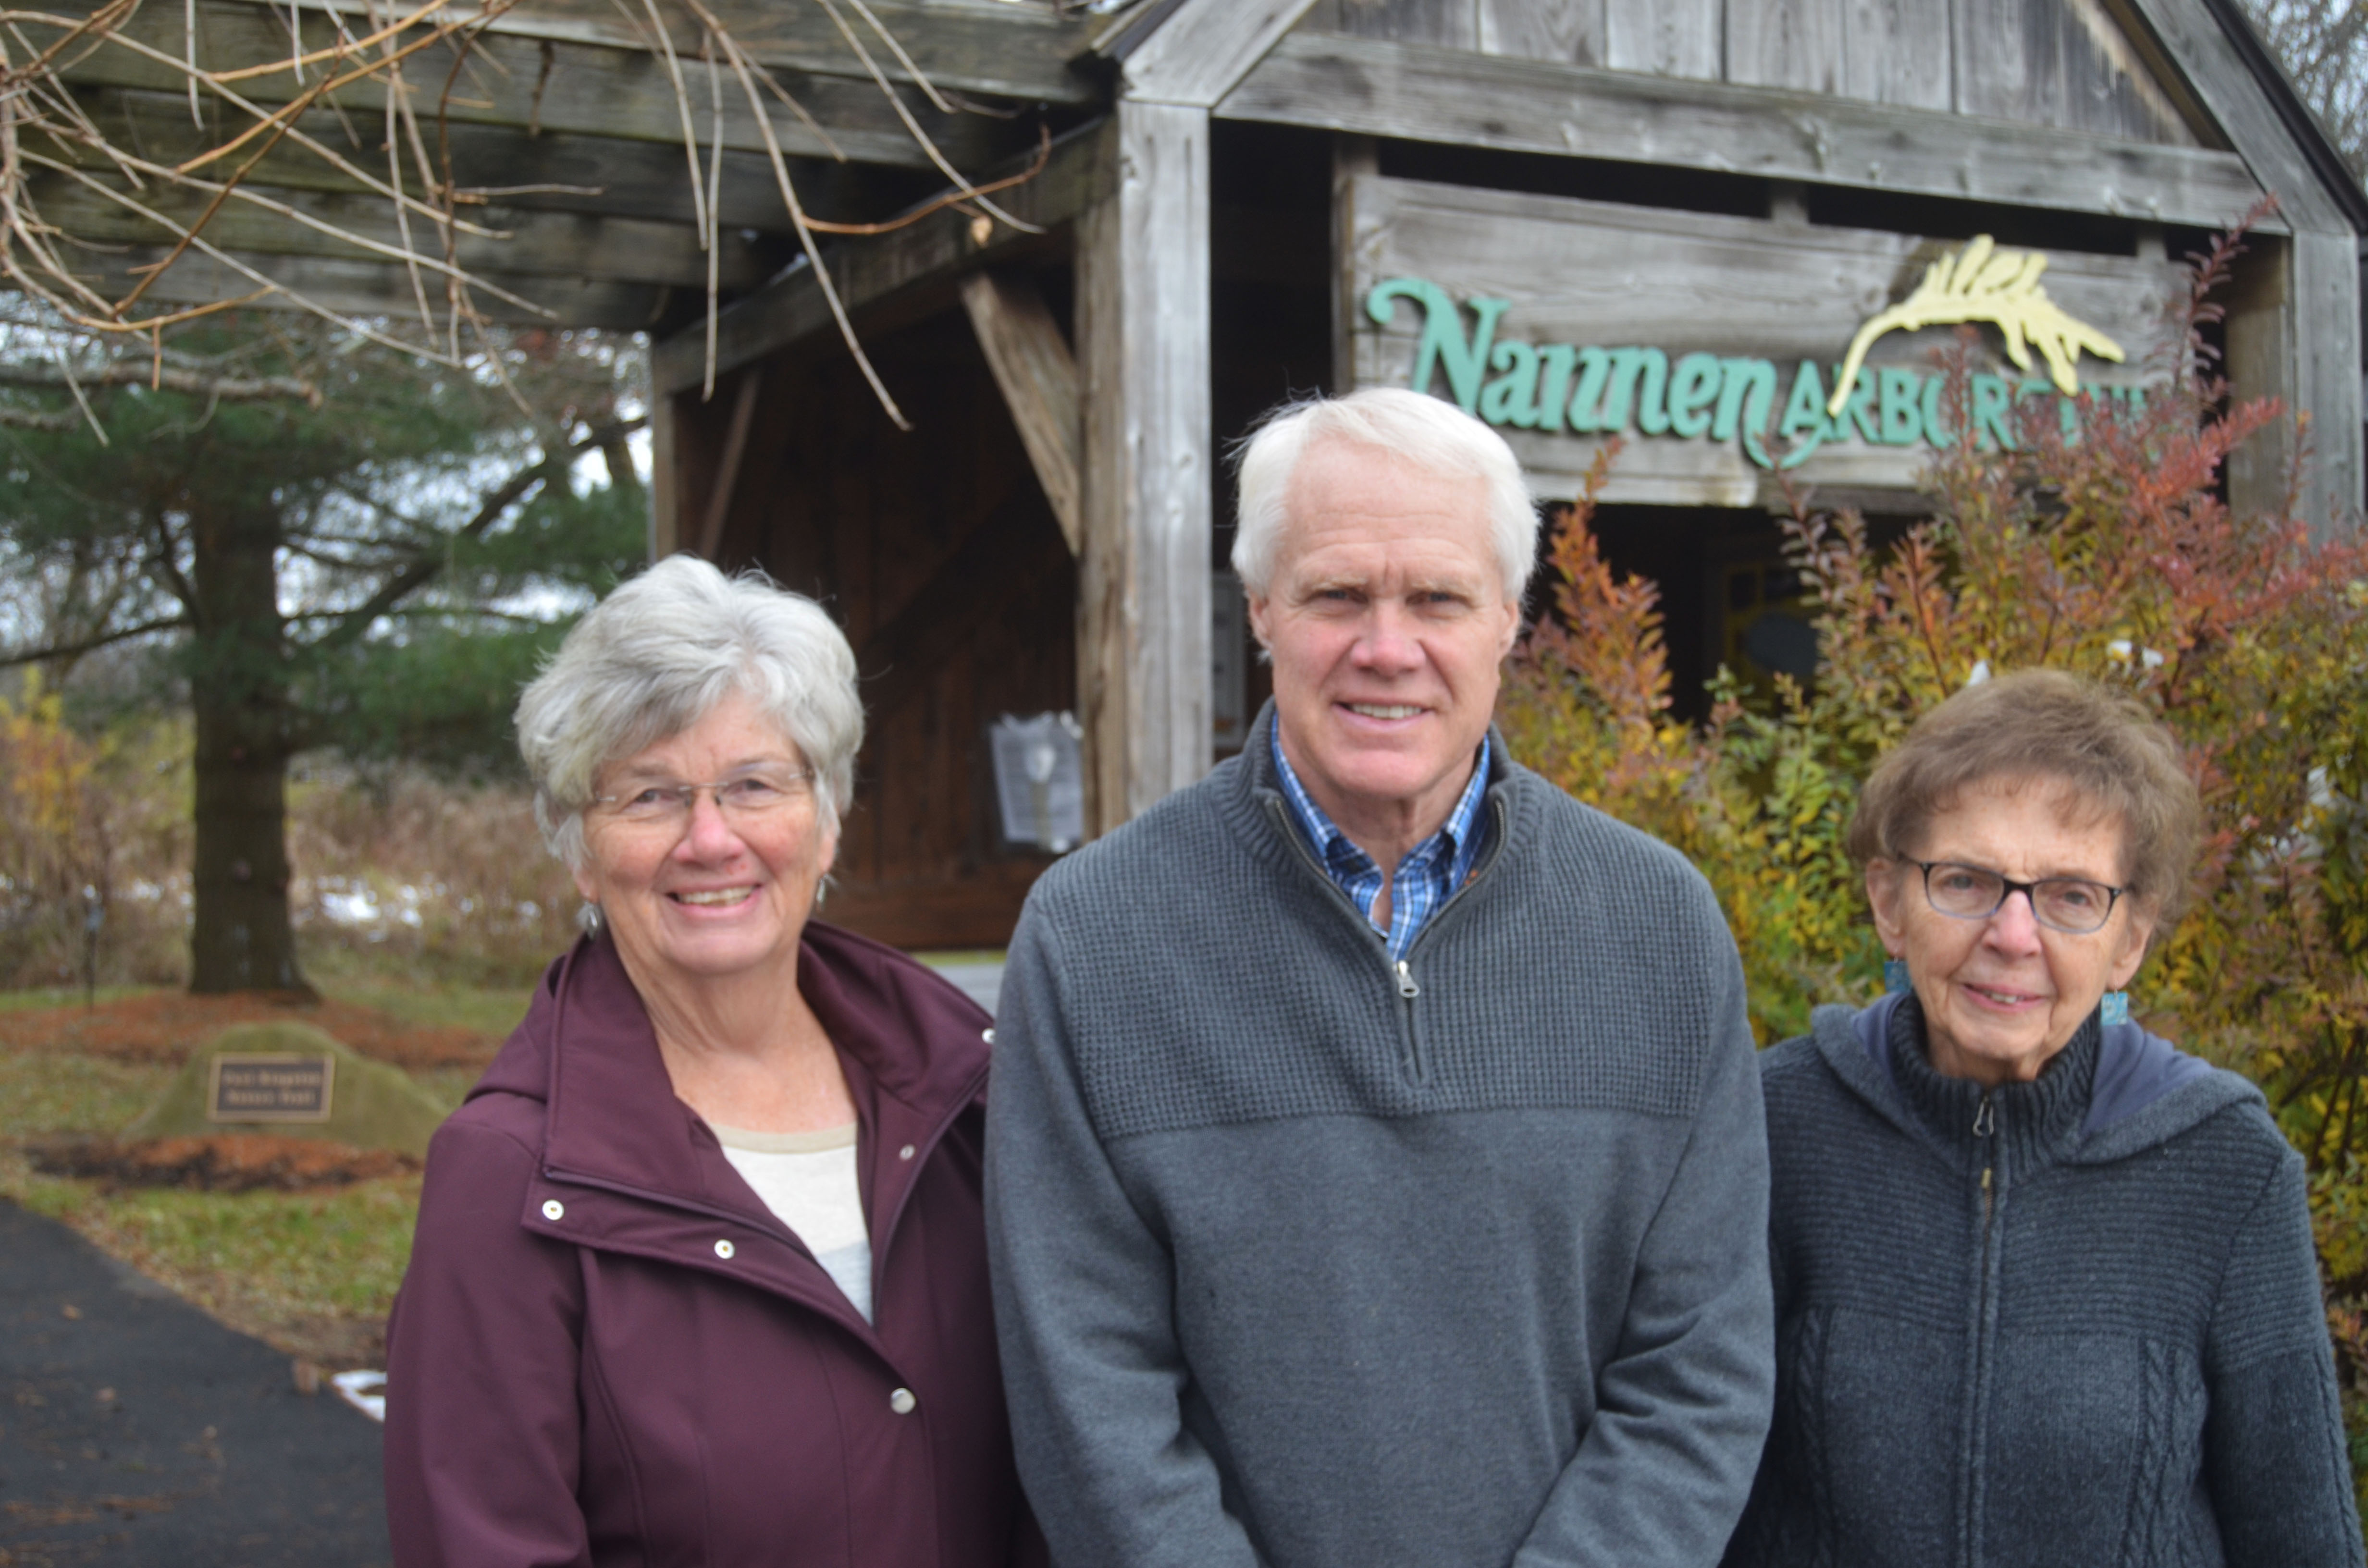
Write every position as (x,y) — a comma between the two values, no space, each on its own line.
(291,1080)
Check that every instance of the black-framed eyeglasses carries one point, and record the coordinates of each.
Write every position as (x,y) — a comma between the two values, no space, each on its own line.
(2073,905)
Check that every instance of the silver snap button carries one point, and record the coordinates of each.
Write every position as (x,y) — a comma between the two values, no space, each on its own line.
(723,1249)
(905,1152)
(552,1208)
(902,1402)
(987,1035)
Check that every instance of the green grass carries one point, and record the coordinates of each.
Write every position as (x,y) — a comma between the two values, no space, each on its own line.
(68,995)
(493,1010)
(57,1092)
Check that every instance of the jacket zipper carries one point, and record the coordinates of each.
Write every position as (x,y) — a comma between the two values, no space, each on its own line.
(1401,970)
(1985,1132)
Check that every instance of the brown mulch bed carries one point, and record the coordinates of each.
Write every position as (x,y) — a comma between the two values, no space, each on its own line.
(163,1027)
(221,1162)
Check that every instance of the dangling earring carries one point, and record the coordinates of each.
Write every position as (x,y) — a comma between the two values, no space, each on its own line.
(2116,1008)
(1895,977)
(822,891)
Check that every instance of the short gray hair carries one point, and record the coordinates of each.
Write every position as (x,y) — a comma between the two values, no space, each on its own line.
(656,655)
(1432,434)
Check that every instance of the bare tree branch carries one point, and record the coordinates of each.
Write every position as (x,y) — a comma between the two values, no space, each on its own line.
(426,566)
(92,645)
(169,377)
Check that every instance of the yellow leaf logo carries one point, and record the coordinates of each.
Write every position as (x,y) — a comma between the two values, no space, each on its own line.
(1983,283)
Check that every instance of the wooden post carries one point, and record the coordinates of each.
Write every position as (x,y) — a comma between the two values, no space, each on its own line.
(665,482)
(1143,351)
(1351,155)
(2326,324)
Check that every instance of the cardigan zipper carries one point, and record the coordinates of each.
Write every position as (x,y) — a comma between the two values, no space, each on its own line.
(1985,1132)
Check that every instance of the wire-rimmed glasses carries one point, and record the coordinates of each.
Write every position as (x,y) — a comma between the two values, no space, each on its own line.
(2073,905)
(749,795)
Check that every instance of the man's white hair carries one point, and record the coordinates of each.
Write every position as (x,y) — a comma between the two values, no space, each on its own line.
(656,656)
(1431,435)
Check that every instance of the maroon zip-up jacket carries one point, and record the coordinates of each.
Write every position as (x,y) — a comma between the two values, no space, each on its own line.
(608,1352)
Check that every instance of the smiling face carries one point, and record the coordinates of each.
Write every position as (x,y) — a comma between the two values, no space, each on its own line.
(1386,619)
(2002,995)
(714,896)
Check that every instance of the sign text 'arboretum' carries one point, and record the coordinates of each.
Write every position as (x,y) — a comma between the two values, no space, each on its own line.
(1781,414)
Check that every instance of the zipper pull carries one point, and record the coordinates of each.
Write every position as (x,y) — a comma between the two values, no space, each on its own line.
(1407,987)
(1985,1120)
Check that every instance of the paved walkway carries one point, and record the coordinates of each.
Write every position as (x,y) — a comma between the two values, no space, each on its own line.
(135,1430)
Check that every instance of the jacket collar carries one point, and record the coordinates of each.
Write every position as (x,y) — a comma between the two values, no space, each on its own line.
(912,1047)
(2110,1093)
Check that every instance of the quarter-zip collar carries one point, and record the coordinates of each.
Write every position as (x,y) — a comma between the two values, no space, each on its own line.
(1257,806)
(915,1055)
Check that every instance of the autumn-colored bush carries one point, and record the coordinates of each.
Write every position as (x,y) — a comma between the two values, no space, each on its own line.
(398,869)
(94,847)
(2107,549)
(413,870)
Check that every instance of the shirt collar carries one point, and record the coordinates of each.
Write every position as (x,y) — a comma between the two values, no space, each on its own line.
(1325,834)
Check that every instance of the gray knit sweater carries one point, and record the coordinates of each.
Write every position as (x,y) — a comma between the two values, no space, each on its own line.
(2111,1355)
(1295,1265)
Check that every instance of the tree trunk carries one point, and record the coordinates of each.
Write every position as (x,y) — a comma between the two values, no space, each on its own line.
(238,687)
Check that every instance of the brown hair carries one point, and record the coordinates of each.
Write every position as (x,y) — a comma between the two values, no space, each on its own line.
(2044,727)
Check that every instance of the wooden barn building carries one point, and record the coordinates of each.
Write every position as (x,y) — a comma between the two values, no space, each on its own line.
(1671,220)
(1512,199)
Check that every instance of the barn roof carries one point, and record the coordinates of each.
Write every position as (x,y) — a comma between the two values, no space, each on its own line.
(553,159)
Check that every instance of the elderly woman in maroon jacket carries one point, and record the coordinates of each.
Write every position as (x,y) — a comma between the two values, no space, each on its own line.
(700,1275)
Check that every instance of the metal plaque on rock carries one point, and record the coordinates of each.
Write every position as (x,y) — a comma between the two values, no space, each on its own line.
(270,1087)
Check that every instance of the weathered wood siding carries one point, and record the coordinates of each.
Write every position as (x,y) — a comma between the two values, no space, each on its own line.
(939,556)
(1586,273)
(2069,64)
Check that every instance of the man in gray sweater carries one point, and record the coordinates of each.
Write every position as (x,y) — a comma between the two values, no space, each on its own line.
(1376,1174)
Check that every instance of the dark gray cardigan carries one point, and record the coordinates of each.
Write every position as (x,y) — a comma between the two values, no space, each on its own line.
(2073,1322)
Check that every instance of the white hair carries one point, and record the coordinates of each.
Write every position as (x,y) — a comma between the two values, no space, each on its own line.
(661,653)
(1433,435)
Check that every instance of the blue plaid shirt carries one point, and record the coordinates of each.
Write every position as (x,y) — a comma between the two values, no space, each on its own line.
(1425,878)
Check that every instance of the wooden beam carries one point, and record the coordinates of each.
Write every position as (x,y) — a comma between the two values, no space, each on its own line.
(1142,349)
(1038,377)
(727,468)
(1196,53)
(870,271)
(605,174)
(557,245)
(1527,106)
(367,288)
(1015,49)
(2196,42)
(594,87)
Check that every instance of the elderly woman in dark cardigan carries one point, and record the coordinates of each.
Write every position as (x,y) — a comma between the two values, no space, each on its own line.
(701,1274)
(2044,1287)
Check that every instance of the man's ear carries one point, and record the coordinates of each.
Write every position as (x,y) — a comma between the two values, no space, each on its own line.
(1259,604)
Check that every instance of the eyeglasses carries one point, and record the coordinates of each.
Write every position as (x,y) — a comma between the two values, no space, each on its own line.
(744,796)
(2071,904)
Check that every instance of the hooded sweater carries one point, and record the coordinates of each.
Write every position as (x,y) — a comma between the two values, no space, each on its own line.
(2073,1323)
(608,1350)
(1307,1259)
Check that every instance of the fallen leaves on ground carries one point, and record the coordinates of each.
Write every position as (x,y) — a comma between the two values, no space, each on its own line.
(221,1162)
